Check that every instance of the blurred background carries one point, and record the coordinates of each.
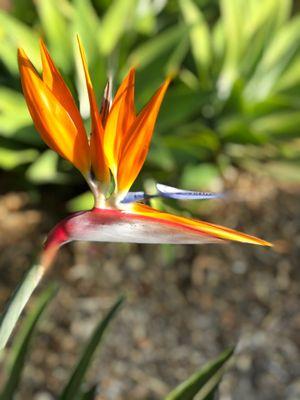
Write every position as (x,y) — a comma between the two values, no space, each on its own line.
(230,122)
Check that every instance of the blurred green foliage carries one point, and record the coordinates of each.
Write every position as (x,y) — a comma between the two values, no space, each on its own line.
(234,99)
(202,385)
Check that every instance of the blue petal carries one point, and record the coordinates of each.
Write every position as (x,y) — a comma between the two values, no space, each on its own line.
(174,193)
(132,197)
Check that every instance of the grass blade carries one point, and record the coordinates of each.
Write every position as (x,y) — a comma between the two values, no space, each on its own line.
(157,46)
(18,301)
(208,376)
(199,35)
(55,25)
(13,34)
(114,24)
(21,344)
(73,386)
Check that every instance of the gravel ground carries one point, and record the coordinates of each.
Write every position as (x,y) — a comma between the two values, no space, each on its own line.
(185,304)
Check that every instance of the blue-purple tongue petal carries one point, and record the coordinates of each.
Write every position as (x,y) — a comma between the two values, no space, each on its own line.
(174,193)
(132,197)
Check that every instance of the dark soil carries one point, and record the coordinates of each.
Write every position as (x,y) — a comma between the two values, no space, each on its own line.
(185,304)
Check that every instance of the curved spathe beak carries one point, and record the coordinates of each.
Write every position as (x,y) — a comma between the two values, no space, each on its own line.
(141,224)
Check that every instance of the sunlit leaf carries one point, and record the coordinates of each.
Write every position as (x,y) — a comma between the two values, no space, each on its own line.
(199,35)
(55,26)
(234,36)
(10,159)
(155,47)
(44,169)
(279,124)
(203,382)
(84,201)
(17,302)
(20,347)
(115,21)
(14,34)
(279,55)
(13,112)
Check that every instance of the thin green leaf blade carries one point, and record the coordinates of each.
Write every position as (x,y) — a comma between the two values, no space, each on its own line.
(278,57)
(232,21)
(22,341)
(18,301)
(114,24)
(155,47)
(73,386)
(15,34)
(199,35)
(55,25)
(189,388)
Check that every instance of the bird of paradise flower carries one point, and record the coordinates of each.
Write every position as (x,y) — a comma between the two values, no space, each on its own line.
(110,161)
(112,156)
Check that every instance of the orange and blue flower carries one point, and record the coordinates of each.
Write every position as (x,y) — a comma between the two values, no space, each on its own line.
(110,157)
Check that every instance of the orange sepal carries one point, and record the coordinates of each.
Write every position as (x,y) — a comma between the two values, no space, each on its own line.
(212,230)
(52,120)
(120,118)
(53,79)
(138,138)
(99,165)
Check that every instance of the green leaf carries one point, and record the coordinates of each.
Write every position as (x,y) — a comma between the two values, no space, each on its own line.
(145,21)
(280,124)
(73,386)
(20,346)
(279,55)
(176,58)
(10,159)
(207,377)
(55,26)
(234,36)
(289,78)
(44,169)
(114,23)
(199,176)
(18,301)
(149,51)
(85,24)
(199,35)
(84,201)
(14,34)
(13,112)
(180,105)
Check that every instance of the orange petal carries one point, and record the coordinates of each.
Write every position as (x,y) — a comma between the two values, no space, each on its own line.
(203,228)
(57,86)
(138,138)
(120,118)
(51,119)
(99,165)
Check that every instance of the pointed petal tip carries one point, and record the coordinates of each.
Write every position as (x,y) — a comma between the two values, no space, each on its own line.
(21,53)
(42,43)
(256,241)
